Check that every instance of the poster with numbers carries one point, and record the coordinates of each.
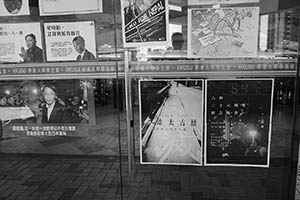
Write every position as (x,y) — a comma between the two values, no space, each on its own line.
(238,119)
(171,121)
(70,41)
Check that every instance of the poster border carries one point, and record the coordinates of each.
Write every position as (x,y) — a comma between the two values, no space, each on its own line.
(145,44)
(202,123)
(189,35)
(41,40)
(69,22)
(24,10)
(43,13)
(270,125)
(214,2)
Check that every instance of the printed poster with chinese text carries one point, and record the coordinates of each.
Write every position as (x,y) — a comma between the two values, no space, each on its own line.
(144,22)
(62,37)
(13,46)
(68,7)
(45,108)
(238,122)
(171,121)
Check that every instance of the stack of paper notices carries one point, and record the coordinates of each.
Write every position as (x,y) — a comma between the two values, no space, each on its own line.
(10,113)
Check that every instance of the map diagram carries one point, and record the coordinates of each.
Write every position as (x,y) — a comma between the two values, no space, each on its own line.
(223,32)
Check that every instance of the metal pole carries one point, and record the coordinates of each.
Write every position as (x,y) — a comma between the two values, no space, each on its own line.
(118,98)
(295,135)
(128,110)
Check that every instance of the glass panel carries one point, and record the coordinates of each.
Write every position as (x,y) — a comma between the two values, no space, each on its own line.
(82,119)
(278,33)
(54,37)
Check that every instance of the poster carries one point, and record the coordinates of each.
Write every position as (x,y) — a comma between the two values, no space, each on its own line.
(171,120)
(207,2)
(70,41)
(44,108)
(145,22)
(67,7)
(223,32)
(21,42)
(238,122)
(90,106)
(14,7)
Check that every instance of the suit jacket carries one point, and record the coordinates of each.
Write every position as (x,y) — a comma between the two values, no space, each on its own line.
(34,54)
(86,56)
(58,114)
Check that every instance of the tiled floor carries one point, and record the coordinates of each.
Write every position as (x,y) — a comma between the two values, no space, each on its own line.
(25,177)
(40,177)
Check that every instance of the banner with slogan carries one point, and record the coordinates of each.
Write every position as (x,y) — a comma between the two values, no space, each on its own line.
(70,41)
(67,7)
(206,2)
(238,122)
(13,46)
(14,8)
(171,121)
(145,23)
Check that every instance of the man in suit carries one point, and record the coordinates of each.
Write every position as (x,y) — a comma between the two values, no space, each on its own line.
(79,46)
(33,53)
(53,111)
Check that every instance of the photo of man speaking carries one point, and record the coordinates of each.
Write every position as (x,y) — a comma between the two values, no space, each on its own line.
(53,111)
(79,46)
(33,52)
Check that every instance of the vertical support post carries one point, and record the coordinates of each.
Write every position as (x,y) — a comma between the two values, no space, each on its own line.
(91,106)
(1,130)
(128,111)
(295,134)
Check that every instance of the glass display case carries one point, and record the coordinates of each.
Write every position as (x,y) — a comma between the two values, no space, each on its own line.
(206,91)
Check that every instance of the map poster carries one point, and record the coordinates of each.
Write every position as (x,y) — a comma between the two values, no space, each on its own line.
(171,121)
(223,32)
(69,7)
(145,22)
(209,2)
(13,46)
(14,7)
(238,118)
(70,41)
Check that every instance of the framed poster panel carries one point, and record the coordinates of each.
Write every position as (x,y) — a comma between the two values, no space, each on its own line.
(14,7)
(44,107)
(238,118)
(145,22)
(70,41)
(171,120)
(209,2)
(80,122)
(21,42)
(223,32)
(69,7)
